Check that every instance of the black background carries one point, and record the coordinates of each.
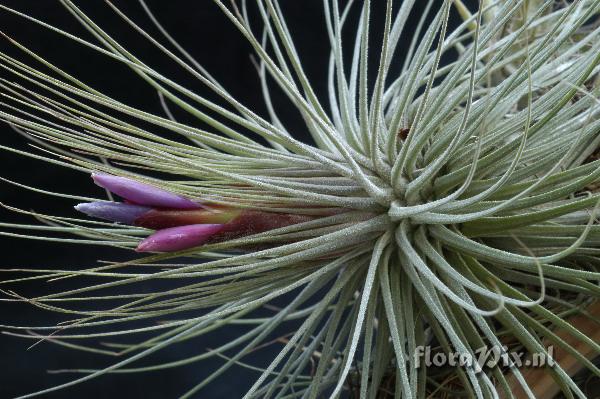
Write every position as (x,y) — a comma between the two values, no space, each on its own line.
(206,33)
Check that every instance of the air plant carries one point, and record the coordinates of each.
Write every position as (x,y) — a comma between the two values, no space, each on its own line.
(450,205)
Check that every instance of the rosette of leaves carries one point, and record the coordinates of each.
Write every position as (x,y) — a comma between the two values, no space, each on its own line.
(451,205)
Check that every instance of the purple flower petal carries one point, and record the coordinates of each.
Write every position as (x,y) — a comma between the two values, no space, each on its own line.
(143,194)
(114,211)
(179,238)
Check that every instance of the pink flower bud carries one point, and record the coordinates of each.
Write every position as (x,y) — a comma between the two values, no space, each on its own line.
(114,211)
(179,238)
(141,193)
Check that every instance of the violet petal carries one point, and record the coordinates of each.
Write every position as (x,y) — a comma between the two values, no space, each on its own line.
(141,193)
(179,238)
(113,211)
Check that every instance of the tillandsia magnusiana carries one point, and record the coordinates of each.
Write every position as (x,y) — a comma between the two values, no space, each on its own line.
(449,200)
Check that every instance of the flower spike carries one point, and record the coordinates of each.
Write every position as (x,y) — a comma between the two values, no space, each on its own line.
(114,211)
(141,193)
(179,229)
(179,238)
